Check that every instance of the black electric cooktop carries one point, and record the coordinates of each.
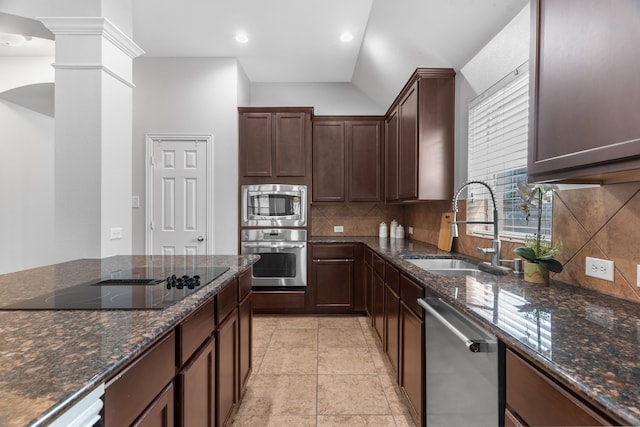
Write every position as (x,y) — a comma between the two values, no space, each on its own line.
(136,289)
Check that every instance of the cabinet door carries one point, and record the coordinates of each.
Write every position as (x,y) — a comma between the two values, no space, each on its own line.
(408,145)
(392,325)
(197,388)
(412,379)
(365,161)
(333,282)
(391,165)
(378,305)
(329,161)
(290,144)
(160,412)
(368,279)
(227,368)
(245,320)
(255,145)
(585,86)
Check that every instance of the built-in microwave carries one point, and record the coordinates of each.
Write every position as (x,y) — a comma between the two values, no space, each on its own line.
(274,205)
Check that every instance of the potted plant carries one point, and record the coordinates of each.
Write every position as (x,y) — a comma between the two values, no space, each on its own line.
(538,252)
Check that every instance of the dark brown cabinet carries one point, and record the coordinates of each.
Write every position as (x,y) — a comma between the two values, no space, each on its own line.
(227,368)
(377,297)
(348,159)
(335,283)
(412,375)
(161,411)
(141,384)
(368,279)
(535,399)
(392,315)
(420,137)
(391,157)
(585,91)
(196,383)
(274,145)
(245,330)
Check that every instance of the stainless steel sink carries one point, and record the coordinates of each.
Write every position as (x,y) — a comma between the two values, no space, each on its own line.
(446,266)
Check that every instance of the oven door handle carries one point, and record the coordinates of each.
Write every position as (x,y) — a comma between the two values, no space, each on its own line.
(276,246)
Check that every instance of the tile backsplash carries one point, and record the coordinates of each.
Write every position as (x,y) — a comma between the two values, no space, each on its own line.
(357,220)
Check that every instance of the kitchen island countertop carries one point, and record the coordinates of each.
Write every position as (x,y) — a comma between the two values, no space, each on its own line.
(50,359)
(587,340)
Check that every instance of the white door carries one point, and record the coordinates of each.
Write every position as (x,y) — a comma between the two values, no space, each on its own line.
(178,195)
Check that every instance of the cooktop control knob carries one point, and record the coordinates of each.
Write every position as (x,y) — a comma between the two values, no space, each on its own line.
(180,282)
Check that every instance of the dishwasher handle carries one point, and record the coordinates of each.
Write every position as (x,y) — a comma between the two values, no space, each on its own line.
(472,345)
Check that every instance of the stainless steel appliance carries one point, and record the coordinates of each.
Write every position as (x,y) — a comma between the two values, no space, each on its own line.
(136,289)
(283,257)
(274,205)
(463,365)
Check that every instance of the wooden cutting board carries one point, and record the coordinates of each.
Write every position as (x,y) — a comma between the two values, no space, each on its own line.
(444,239)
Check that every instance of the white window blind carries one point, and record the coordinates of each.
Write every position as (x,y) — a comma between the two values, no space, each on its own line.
(498,131)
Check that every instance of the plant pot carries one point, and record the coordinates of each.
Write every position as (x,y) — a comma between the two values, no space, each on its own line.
(535,273)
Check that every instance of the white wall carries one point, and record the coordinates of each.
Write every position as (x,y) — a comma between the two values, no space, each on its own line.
(26,186)
(190,96)
(504,53)
(326,98)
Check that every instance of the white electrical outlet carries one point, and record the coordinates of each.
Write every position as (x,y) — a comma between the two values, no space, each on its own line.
(599,268)
(135,201)
(410,230)
(638,275)
(115,233)
(338,229)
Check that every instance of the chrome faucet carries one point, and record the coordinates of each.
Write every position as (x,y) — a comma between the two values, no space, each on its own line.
(494,250)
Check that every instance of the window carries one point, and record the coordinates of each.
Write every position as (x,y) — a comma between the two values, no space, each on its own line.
(498,131)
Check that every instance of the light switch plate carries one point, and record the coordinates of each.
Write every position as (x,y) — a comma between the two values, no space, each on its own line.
(338,229)
(135,201)
(638,275)
(599,268)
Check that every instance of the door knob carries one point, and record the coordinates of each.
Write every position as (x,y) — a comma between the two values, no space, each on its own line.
(200,239)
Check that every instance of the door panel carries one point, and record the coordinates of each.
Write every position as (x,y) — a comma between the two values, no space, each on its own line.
(179,196)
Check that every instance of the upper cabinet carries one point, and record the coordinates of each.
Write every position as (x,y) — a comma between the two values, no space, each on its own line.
(420,138)
(585,91)
(275,145)
(347,159)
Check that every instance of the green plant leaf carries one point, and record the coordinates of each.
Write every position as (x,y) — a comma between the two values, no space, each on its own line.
(526,253)
(552,265)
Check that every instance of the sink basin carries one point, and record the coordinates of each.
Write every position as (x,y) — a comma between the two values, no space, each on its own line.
(446,266)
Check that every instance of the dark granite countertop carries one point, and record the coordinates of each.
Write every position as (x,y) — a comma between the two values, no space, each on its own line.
(588,341)
(51,359)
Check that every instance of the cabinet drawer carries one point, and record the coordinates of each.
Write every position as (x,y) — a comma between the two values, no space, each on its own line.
(131,391)
(244,285)
(392,278)
(226,301)
(539,401)
(378,265)
(333,252)
(410,291)
(194,330)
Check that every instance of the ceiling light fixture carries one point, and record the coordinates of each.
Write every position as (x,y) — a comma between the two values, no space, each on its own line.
(346,37)
(242,38)
(13,40)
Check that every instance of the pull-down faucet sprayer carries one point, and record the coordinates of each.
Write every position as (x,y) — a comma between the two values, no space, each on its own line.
(494,250)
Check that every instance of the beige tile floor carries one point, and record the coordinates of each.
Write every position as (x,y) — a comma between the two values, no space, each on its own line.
(319,371)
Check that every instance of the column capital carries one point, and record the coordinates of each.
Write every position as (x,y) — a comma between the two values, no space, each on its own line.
(88,26)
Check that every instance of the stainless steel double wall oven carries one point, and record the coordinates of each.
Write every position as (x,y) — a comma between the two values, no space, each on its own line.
(277,215)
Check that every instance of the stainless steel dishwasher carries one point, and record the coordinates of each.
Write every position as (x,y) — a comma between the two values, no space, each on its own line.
(464,367)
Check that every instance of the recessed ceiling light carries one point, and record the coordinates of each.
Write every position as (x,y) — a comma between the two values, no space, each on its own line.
(346,37)
(13,40)
(242,38)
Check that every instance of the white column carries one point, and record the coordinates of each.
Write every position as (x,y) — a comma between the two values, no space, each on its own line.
(93,170)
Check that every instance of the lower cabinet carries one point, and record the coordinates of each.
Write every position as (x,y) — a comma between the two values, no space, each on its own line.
(377,305)
(245,338)
(412,361)
(392,316)
(335,279)
(227,368)
(196,382)
(161,411)
(535,399)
